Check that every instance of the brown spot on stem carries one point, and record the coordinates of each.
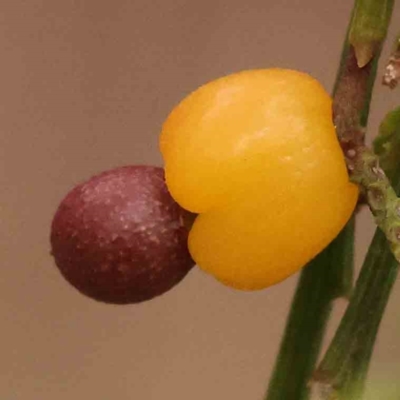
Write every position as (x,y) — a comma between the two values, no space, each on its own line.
(391,76)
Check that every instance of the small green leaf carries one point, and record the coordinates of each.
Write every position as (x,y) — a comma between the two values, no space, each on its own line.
(387,143)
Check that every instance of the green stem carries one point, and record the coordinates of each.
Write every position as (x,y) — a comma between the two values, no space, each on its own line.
(351,106)
(323,280)
(328,276)
(345,365)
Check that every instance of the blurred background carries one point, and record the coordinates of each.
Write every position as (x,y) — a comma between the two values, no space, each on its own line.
(85,87)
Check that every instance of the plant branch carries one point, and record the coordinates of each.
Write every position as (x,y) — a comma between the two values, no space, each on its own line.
(350,106)
(381,197)
(326,278)
(344,367)
(350,110)
(316,289)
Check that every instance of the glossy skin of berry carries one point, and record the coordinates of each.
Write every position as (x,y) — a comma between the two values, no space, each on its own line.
(120,237)
(256,155)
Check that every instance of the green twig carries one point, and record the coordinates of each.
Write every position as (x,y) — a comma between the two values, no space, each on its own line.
(380,195)
(353,94)
(350,108)
(323,280)
(344,367)
(316,289)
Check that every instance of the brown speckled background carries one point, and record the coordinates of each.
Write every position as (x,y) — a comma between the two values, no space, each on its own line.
(85,86)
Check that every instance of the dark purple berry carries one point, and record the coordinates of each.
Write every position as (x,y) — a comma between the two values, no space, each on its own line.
(120,237)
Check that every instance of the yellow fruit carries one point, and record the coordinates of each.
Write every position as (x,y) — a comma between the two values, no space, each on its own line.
(256,155)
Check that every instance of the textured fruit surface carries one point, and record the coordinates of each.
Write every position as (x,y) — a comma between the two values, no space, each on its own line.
(120,237)
(256,155)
